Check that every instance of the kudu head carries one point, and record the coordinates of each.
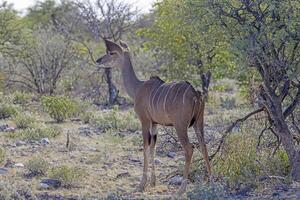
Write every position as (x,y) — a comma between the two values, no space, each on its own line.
(114,54)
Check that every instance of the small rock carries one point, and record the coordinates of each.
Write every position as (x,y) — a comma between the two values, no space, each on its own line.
(51,183)
(6,128)
(3,127)
(158,162)
(124,174)
(83,159)
(135,160)
(75,119)
(176,180)
(171,154)
(3,171)
(45,141)
(86,131)
(44,186)
(18,165)
(20,143)
(10,129)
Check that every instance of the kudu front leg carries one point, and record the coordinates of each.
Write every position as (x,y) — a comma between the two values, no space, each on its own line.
(146,151)
(152,155)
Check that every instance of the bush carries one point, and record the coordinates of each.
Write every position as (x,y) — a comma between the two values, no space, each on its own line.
(7,111)
(20,98)
(37,133)
(86,117)
(211,192)
(228,103)
(2,155)
(37,166)
(59,108)
(116,120)
(15,190)
(69,176)
(237,161)
(24,121)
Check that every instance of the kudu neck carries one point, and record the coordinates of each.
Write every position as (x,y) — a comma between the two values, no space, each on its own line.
(131,82)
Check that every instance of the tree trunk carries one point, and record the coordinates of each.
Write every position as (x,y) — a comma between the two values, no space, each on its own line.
(112,90)
(274,107)
(295,169)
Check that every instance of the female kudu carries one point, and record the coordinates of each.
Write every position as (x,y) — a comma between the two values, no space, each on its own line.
(175,104)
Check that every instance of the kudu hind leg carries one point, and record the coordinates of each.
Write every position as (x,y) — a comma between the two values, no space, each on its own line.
(188,150)
(146,141)
(198,127)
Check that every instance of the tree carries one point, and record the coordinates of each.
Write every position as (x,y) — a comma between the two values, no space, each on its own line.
(266,37)
(42,61)
(107,19)
(11,29)
(186,42)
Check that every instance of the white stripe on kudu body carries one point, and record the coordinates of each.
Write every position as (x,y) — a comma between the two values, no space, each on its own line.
(150,99)
(170,88)
(161,93)
(152,104)
(185,93)
(177,92)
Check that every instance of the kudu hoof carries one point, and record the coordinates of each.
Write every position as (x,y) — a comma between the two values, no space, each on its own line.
(182,188)
(142,185)
(153,181)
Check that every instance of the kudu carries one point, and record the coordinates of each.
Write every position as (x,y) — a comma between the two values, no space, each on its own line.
(175,104)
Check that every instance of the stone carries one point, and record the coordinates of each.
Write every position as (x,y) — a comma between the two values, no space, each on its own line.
(176,180)
(3,127)
(86,131)
(123,174)
(45,141)
(18,165)
(171,154)
(20,143)
(158,162)
(6,128)
(50,183)
(75,119)
(83,159)
(3,171)
(135,160)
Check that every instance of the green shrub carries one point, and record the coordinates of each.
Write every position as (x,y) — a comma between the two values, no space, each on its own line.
(37,166)
(16,190)
(240,162)
(69,176)
(20,98)
(228,103)
(37,133)
(7,111)
(237,160)
(2,155)
(86,117)
(211,192)
(116,120)
(23,120)
(58,107)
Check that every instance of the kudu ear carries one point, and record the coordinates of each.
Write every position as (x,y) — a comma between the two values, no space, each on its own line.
(111,46)
(124,45)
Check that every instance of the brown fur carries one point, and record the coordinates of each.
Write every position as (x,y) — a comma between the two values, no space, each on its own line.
(175,104)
